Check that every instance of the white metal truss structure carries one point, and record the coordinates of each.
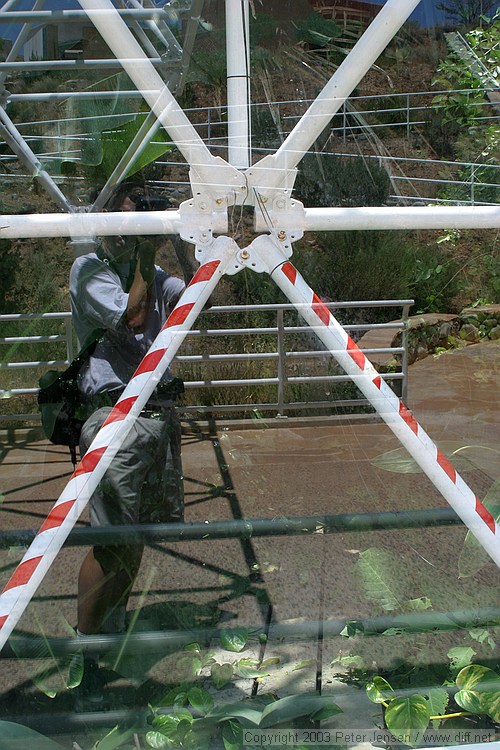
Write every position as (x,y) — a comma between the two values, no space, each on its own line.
(280,220)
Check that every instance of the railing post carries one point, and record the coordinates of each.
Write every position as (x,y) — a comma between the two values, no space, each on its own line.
(407,117)
(472,184)
(281,363)
(68,329)
(404,356)
(344,124)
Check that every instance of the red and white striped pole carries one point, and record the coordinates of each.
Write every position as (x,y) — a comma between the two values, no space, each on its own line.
(50,538)
(389,406)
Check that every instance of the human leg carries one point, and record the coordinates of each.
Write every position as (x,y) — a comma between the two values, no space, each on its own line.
(108,572)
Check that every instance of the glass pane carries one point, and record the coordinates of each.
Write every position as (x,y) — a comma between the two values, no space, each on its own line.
(323,178)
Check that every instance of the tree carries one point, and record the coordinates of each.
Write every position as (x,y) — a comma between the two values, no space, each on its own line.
(467,12)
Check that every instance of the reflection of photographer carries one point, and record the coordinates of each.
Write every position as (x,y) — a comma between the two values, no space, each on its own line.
(183,250)
(120,290)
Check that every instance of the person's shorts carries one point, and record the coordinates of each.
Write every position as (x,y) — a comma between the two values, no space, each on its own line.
(144,482)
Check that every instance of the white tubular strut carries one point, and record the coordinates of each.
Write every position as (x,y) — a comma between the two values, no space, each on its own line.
(211,171)
(307,220)
(392,410)
(89,472)
(272,171)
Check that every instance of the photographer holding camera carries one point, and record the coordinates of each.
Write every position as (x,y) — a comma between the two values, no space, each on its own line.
(121,299)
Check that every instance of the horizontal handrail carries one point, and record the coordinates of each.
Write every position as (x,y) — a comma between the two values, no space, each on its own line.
(281,357)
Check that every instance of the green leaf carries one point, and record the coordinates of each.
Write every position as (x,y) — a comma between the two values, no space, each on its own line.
(304,664)
(221,674)
(490,703)
(399,462)
(476,682)
(247,715)
(248,669)
(294,707)
(377,569)
(200,699)
(408,718)
(232,735)
(75,672)
(474,676)
(438,699)
(349,661)
(116,141)
(481,635)
(18,737)
(379,690)
(352,628)
(166,724)
(158,740)
(468,700)
(326,712)
(460,656)
(57,673)
(473,556)
(270,661)
(417,605)
(234,639)
(116,737)
(178,696)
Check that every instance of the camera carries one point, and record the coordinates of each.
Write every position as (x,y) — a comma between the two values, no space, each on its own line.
(151,202)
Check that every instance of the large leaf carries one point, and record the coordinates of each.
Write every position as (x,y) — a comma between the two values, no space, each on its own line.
(249,669)
(234,639)
(294,707)
(478,684)
(246,714)
(473,556)
(116,737)
(116,141)
(221,674)
(377,569)
(490,702)
(378,690)
(18,737)
(57,673)
(399,462)
(232,735)
(438,699)
(460,657)
(408,718)
(95,115)
(200,699)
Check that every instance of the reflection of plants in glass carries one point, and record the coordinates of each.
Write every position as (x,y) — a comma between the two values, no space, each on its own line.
(417,691)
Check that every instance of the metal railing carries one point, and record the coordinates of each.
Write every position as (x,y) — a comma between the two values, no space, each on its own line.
(280,361)
(404,112)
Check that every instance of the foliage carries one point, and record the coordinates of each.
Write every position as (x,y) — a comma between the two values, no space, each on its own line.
(435,278)
(473,557)
(467,12)
(408,716)
(358,265)
(316,30)
(116,141)
(419,695)
(8,263)
(466,82)
(327,180)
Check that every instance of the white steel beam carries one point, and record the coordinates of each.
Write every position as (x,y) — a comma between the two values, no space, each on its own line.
(238,82)
(273,171)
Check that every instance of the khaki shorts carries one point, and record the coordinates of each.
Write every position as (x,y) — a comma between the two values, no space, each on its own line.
(144,483)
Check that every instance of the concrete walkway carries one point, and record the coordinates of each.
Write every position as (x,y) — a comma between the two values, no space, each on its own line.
(279,470)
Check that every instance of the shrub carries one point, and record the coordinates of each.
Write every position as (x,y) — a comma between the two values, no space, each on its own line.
(326,180)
